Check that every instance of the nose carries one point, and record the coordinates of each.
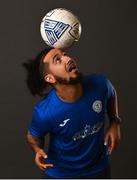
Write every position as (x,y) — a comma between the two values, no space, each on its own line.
(67,59)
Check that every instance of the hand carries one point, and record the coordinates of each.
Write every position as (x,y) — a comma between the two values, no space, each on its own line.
(39,160)
(112,137)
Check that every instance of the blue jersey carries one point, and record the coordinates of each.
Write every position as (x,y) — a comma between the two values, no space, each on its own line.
(76,146)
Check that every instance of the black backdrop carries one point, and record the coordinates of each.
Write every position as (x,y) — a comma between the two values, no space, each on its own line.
(107,46)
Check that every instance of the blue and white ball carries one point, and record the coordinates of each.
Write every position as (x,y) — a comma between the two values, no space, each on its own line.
(60,28)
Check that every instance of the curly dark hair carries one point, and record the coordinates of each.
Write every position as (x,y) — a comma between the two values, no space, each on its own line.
(35,69)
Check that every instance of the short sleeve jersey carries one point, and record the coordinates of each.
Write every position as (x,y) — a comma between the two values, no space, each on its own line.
(76,129)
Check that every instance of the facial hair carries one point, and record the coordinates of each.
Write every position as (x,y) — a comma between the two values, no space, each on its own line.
(71,81)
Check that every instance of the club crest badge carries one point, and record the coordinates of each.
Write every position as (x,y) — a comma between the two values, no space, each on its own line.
(97,106)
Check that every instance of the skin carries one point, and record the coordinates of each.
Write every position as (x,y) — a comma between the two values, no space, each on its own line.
(68,93)
(113,135)
(58,66)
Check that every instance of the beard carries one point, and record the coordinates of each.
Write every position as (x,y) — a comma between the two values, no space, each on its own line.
(71,81)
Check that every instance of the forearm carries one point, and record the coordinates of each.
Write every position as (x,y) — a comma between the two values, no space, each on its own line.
(35,143)
(112,106)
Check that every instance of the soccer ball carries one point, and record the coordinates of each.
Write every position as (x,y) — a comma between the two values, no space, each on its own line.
(60,28)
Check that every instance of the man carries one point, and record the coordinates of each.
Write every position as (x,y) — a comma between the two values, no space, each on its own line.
(73,113)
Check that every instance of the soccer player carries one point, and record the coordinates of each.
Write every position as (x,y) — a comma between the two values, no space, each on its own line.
(73,113)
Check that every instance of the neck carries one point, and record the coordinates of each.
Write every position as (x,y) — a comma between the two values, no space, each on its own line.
(69,93)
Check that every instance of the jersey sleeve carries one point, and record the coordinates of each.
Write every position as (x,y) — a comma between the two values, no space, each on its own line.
(110,89)
(102,82)
(39,127)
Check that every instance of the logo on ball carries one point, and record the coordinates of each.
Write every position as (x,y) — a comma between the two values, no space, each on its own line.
(54,30)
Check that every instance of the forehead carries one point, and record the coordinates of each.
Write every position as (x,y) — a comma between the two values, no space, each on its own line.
(49,56)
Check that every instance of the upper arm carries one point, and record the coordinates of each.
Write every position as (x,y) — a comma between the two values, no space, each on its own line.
(112,103)
(39,126)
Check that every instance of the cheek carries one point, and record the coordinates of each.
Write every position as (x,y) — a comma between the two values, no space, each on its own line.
(59,70)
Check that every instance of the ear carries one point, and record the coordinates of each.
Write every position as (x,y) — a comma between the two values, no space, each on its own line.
(49,78)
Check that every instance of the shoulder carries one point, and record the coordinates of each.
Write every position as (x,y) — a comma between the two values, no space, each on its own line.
(97,79)
(98,82)
(41,107)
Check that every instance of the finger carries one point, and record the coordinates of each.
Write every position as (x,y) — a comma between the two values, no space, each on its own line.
(43,154)
(112,145)
(40,164)
(43,169)
(43,165)
(39,160)
(49,165)
(106,142)
(116,144)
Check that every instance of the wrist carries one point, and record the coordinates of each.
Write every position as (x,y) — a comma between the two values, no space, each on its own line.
(115,120)
(37,149)
(115,124)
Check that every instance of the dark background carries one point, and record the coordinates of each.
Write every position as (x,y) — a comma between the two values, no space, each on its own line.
(107,46)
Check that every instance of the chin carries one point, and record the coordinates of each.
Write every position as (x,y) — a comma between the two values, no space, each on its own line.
(75,79)
(78,78)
